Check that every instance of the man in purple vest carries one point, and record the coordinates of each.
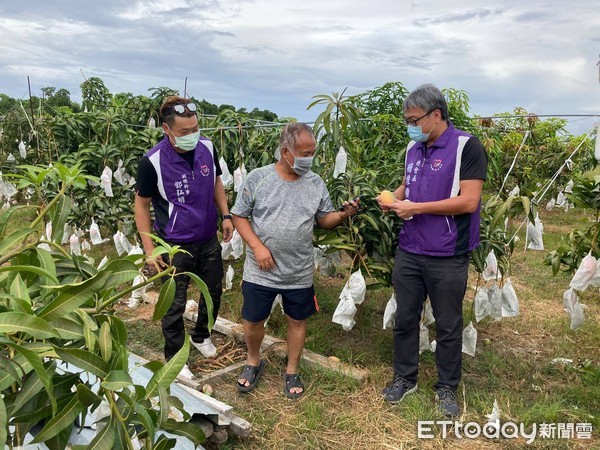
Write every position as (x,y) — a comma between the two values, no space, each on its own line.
(180,177)
(439,200)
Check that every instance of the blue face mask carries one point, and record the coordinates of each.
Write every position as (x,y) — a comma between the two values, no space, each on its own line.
(415,132)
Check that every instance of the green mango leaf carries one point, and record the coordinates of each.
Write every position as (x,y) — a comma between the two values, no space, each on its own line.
(163,403)
(13,322)
(165,443)
(61,439)
(167,373)
(36,270)
(105,341)
(7,378)
(59,422)
(86,396)
(5,216)
(118,330)
(143,418)
(105,438)
(121,271)
(68,329)
(46,262)
(36,362)
(30,389)
(72,296)
(18,289)
(165,298)
(117,380)
(3,421)
(190,430)
(85,360)
(20,305)
(16,238)
(205,296)
(59,215)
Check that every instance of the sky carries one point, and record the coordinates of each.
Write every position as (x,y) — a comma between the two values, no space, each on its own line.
(278,54)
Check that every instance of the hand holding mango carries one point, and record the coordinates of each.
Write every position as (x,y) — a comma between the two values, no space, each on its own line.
(387,197)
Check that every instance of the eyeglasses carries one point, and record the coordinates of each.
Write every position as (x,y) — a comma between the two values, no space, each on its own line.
(179,108)
(413,122)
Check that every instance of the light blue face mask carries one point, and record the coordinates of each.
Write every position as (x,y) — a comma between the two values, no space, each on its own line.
(415,132)
(188,142)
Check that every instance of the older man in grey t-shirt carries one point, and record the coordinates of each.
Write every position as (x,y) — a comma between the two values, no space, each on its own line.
(275,213)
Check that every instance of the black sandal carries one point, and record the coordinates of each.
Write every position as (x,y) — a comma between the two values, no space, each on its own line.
(292,380)
(251,374)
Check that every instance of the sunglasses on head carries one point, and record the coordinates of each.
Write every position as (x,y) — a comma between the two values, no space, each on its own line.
(179,108)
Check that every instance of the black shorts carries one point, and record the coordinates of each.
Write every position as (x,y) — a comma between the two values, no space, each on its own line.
(299,304)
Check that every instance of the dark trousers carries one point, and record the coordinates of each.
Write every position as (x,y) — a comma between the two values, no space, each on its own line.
(444,280)
(204,260)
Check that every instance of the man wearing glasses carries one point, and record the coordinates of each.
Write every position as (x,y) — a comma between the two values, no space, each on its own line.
(444,173)
(180,177)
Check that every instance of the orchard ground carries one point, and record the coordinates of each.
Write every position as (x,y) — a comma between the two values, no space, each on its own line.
(513,365)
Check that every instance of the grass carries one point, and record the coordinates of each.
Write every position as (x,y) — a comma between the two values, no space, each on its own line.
(513,366)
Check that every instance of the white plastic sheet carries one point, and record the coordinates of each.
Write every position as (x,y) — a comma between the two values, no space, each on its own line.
(595,280)
(135,250)
(341,160)
(226,176)
(239,175)
(573,308)
(585,273)
(561,200)
(357,287)
(494,416)
(120,175)
(569,187)
(345,311)
(10,158)
(237,245)
(75,244)
(138,294)
(122,245)
(482,303)
(226,250)
(49,230)
(423,338)
(428,317)
(278,301)
(85,246)
(469,344)
(229,278)
(95,236)
(495,310)
(550,204)
(510,302)
(491,271)
(9,190)
(390,313)
(106,181)
(66,233)
(22,150)
(535,233)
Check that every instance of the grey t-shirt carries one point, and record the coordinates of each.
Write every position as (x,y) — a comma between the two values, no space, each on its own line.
(282,214)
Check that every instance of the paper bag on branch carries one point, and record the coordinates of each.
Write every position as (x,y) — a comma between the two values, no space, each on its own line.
(390,313)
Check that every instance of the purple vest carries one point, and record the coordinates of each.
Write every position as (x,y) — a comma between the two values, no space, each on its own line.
(189,194)
(433,174)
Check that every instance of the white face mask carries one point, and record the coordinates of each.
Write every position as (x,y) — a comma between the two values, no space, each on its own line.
(302,164)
